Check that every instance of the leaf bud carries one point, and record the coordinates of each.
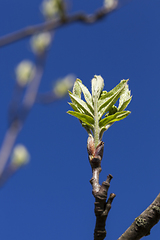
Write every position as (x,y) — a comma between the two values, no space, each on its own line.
(52,9)
(90,147)
(40,42)
(20,156)
(63,85)
(99,150)
(110,4)
(94,155)
(97,86)
(25,72)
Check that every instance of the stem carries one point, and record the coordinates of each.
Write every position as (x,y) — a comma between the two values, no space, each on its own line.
(96,123)
(8,143)
(102,205)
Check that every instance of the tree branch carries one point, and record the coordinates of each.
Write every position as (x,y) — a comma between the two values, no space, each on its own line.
(142,225)
(8,142)
(53,24)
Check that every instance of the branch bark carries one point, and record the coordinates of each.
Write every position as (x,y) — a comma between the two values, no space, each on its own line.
(144,222)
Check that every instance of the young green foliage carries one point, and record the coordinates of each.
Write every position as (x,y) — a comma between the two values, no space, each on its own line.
(98,112)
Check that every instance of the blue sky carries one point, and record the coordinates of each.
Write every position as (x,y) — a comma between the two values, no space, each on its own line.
(51,198)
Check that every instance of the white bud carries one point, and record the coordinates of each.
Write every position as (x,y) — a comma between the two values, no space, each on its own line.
(50,9)
(25,72)
(40,42)
(20,156)
(110,4)
(63,85)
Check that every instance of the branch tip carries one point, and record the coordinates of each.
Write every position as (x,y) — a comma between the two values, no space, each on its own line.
(109,178)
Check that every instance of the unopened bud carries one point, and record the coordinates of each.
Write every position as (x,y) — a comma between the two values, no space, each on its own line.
(94,155)
(40,42)
(63,85)
(50,9)
(90,147)
(99,150)
(110,4)
(20,156)
(25,72)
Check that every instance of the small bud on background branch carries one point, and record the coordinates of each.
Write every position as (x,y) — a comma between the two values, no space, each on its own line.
(41,42)
(25,72)
(20,156)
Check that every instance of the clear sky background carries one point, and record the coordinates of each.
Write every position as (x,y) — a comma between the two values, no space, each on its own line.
(51,198)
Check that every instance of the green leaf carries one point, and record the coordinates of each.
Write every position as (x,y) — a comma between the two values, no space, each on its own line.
(113,118)
(77,89)
(80,104)
(90,113)
(110,98)
(125,104)
(125,99)
(75,108)
(83,117)
(86,93)
(103,129)
(97,86)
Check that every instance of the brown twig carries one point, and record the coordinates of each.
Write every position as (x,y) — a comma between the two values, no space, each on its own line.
(54,24)
(100,192)
(142,225)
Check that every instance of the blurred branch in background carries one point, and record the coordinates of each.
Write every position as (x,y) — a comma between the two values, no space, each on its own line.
(29,82)
(56,16)
(28,77)
(60,88)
